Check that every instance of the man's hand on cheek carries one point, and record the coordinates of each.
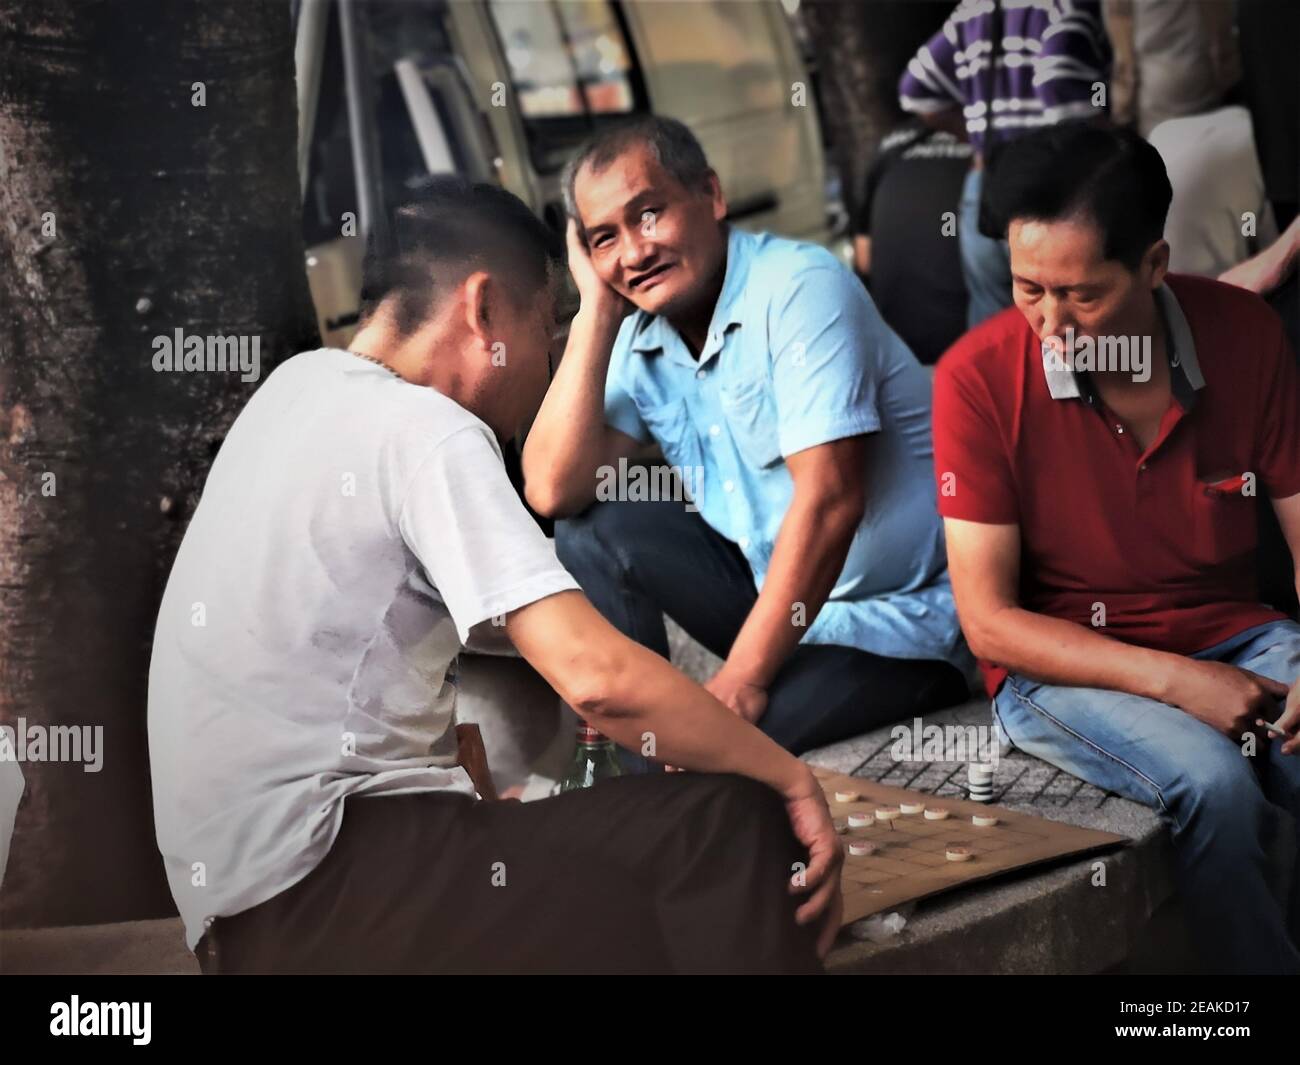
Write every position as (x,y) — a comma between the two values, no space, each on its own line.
(742,697)
(595,295)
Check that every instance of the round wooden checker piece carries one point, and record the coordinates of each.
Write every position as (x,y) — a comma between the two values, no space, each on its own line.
(957,854)
(983,821)
(847,796)
(861,847)
(886,813)
(911,807)
(861,820)
(936,813)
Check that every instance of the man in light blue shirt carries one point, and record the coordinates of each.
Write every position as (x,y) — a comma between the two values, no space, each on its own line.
(800,540)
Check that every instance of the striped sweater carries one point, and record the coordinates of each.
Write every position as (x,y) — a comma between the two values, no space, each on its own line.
(1052,54)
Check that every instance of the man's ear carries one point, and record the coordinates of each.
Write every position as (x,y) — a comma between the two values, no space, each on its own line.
(716,196)
(480,304)
(1158,263)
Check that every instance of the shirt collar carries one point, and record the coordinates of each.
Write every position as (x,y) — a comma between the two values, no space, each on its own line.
(1186,381)
(649,332)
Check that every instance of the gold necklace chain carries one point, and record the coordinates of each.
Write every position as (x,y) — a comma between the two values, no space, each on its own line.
(377,362)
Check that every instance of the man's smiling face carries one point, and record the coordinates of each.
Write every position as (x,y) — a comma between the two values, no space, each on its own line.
(654,241)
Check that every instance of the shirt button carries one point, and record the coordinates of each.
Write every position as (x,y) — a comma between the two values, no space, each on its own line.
(744,542)
(699,375)
(714,430)
(728,486)
(1119,429)
(1143,466)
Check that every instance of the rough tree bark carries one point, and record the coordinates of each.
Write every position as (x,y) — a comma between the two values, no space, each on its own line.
(862,48)
(126,211)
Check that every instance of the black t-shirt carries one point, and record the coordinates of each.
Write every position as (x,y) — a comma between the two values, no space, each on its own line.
(1269,34)
(916,279)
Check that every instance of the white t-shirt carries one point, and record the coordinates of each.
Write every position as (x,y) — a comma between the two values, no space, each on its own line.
(353,529)
(1214,171)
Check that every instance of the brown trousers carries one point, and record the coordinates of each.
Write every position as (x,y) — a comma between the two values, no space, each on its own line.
(675,873)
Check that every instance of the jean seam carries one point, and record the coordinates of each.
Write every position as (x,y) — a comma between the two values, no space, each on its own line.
(1089,744)
(629,587)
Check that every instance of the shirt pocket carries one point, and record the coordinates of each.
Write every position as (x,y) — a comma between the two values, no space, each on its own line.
(671,426)
(1223,523)
(751,415)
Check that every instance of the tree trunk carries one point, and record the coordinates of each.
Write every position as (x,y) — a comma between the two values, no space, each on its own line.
(862,48)
(133,202)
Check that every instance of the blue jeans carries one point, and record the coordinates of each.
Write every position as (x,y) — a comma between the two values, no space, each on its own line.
(637,561)
(985,263)
(1225,809)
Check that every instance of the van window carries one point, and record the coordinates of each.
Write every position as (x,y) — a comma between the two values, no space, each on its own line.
(571,70)
(712,59)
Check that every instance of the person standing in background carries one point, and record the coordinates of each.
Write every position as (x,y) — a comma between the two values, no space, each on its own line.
(1173,58)
(991,74)
(902,237)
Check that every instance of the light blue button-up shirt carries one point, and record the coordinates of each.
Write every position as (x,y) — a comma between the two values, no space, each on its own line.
(797,355)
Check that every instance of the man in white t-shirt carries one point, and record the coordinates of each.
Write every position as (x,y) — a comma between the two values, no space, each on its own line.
(356,525)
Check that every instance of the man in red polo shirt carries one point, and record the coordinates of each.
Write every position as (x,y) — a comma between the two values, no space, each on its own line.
(1098,451)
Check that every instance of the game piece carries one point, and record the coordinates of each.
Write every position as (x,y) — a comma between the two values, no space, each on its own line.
(911,807)
(911,860)
(847,796)
(982,821)
(861,820)
(979,776)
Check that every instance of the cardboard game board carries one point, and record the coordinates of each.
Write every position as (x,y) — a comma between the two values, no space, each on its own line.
(910,861)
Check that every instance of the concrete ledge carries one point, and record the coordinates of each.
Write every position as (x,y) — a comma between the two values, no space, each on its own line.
(1042,919)
(1045,919)
(131,948)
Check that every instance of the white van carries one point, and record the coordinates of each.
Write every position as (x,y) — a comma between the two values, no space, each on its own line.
(392,91)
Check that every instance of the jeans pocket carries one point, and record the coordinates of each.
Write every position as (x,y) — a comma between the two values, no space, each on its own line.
(1009,708)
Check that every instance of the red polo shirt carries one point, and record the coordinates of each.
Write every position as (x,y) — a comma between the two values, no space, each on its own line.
(1158,543)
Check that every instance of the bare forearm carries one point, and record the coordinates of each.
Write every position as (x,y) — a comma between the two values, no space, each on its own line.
(567,441)
(809,555)
(691,728)
(633,696)
(862,255)
(1065,653)
(1288,244)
